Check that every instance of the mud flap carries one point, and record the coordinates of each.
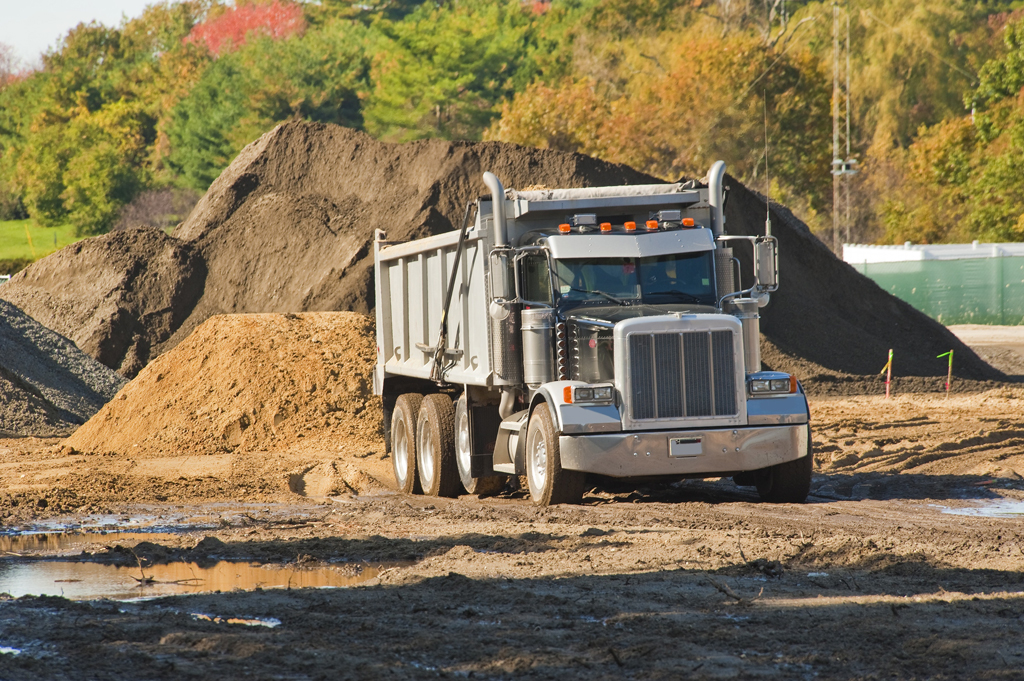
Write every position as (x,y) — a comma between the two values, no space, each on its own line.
(509,440)
(483,431)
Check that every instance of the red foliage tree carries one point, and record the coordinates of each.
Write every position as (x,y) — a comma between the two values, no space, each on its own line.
(11,68)
(229,30)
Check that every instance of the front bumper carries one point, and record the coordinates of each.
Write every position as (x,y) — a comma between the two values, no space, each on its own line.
(650,453)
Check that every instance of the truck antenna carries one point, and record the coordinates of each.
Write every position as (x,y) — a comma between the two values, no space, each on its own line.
(767,179)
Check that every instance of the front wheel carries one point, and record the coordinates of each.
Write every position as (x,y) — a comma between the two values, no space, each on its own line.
(789,482)
(549,483)
(491,484)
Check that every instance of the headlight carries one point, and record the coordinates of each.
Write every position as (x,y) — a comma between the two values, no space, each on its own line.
(595,393)
(760,386)
(772,384)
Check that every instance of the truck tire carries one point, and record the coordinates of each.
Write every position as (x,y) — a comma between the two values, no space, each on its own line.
(403,442)
(435,447)
(491,484)
(549,483)
(790,482)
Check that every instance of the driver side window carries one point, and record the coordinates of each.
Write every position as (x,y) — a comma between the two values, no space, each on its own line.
(535,278)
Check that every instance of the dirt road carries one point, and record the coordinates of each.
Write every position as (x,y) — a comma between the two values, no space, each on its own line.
(892,570)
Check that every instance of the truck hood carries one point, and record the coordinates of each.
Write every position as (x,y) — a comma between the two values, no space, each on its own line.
(618,313)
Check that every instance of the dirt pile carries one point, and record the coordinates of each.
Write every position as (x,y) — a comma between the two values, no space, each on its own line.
(118,296)
(287,227)
(232,403)
(47,385)
(831,325)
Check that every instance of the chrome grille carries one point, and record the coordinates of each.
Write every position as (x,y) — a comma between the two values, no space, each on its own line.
(682,375)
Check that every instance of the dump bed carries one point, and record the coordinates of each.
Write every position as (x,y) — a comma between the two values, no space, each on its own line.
(482,349)
(412,279)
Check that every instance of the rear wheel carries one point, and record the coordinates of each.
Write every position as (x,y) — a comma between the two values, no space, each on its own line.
(789,482)
(435,447)
(403,442)
(491,484)
(549,483)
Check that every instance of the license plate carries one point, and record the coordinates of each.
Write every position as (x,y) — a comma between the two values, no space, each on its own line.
(682,447)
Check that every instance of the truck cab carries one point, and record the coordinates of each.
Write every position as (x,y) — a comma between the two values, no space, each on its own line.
(618,343)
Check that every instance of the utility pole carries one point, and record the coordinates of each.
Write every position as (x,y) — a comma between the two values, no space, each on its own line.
(842,163)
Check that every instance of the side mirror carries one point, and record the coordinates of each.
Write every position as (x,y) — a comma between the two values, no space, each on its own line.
(766,263)
(501,275)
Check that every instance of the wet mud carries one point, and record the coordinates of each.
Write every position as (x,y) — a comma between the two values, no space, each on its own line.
(906,562)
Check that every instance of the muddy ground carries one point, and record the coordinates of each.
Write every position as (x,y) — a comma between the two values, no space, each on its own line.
(872,578)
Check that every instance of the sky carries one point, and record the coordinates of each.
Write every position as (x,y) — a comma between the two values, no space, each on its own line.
(33,26)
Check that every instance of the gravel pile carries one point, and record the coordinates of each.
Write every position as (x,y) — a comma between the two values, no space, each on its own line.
(48,387)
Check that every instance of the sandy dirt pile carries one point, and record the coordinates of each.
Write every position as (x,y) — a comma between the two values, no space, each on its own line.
(248,405)
(118,296)
(287,227)
(47,385)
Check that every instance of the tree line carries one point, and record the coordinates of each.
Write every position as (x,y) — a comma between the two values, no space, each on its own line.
(165,100)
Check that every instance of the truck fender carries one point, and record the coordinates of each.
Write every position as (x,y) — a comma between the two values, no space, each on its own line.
(547,396)
(577,419)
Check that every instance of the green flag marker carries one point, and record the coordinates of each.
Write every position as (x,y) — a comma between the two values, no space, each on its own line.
(949,372)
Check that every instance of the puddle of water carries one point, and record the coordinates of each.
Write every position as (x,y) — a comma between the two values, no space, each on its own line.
(81,581)
(170,518)
(40,543)
(1001,508)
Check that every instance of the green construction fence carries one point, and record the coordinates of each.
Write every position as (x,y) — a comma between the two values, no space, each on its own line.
(968,291)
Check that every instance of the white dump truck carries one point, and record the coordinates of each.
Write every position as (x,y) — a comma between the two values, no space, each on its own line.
(567,333)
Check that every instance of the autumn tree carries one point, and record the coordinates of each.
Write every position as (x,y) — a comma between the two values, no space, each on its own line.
(229,28)
(317,76)
(443,70)
(673,107)
(78,136)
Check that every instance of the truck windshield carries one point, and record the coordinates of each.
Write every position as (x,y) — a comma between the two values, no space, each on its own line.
(658,280)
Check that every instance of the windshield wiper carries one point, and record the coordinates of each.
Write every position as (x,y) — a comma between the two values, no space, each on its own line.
(676,292)
(600,293)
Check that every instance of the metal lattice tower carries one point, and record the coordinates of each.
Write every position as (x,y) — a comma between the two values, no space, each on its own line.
(843,165)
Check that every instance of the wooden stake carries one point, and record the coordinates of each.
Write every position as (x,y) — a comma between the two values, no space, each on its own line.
(949,371)
(887,369)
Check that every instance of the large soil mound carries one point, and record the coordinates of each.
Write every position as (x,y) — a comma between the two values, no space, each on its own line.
(247,404)
(118,296)
(828,322)
(47,385)
(287,227)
